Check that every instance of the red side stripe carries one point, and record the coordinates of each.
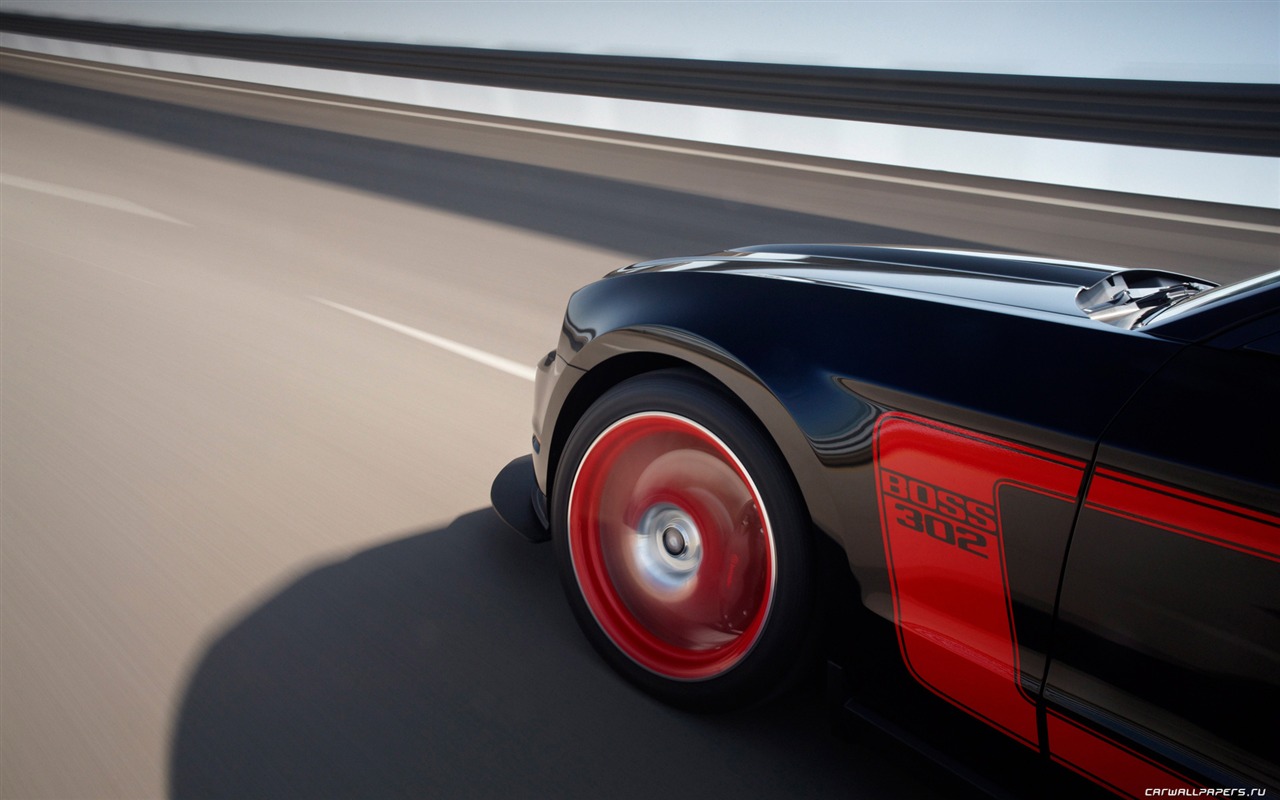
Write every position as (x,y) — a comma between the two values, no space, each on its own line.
(937,490)
(1109,763)
(1185,513)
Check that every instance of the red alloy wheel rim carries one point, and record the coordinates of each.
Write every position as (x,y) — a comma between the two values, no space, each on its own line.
(671,546)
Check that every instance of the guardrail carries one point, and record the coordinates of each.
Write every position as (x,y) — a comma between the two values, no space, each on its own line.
(1242,119)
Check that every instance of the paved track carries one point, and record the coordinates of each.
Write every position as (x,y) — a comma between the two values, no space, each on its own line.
(247,548)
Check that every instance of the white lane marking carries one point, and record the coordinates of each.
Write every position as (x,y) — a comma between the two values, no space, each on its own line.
(457,348)
(742,159)
(84,196)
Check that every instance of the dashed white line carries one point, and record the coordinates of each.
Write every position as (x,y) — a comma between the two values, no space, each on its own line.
(457,348)
(84,196)
(742,159)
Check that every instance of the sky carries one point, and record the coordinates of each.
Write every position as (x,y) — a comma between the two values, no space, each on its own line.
(1219,40)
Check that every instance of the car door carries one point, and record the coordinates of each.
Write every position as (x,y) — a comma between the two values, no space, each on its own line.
(1165,661)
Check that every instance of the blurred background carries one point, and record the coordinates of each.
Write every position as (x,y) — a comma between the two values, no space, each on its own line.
(273,277)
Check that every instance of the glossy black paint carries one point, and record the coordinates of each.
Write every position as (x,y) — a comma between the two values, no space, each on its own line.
(1157,638)
(1201,646)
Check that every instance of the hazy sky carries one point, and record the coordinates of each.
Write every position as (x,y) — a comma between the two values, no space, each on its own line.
(1220,40)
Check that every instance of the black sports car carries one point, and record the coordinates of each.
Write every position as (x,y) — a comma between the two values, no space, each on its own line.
(1060,482)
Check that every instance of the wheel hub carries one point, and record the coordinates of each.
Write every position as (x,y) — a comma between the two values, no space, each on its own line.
(674,542)
(667,547)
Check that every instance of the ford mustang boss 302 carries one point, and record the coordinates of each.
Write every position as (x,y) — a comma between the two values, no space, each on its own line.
(1059,482)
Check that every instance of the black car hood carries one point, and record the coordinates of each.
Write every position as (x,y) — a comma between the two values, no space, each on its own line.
(1009,280)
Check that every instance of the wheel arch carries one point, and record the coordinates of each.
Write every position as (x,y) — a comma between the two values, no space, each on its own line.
(617,356)
(588,388)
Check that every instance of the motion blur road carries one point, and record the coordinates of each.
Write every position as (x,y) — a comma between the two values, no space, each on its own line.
(247,546)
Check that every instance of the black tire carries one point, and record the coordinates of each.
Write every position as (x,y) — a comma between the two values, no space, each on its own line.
(684,548)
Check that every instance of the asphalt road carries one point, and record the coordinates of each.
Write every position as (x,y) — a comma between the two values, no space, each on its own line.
(247,546)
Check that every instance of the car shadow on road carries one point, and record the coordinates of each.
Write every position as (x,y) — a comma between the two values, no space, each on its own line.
(447,664)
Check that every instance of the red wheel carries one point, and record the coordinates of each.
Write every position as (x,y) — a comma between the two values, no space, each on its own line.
(671,545)
(669,533)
